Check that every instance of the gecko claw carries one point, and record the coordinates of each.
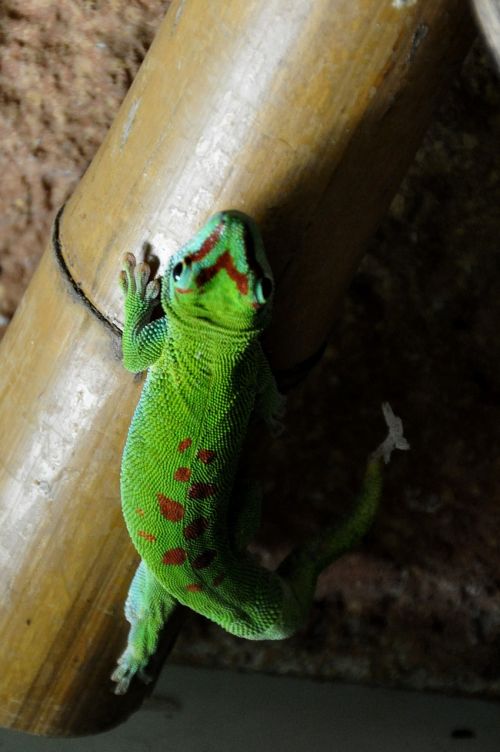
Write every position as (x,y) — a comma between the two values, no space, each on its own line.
(122,281)
(128,667)
(141,274)
(128,260)
(152,289)
(126,276)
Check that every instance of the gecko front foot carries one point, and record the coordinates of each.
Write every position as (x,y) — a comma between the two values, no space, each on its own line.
(134,280)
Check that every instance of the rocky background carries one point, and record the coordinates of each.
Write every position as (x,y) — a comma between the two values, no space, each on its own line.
(418,605)
(64,70)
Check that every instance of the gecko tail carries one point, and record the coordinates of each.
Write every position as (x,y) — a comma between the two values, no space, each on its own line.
(303,565)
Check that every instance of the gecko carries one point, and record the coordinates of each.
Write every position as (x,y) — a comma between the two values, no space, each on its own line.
(188,509)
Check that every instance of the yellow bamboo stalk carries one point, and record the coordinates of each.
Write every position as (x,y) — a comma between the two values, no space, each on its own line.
(303,114)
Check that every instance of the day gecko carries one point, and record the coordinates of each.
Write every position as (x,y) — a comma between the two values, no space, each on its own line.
(189,513)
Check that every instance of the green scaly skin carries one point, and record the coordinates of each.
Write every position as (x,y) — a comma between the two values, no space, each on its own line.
(187,511)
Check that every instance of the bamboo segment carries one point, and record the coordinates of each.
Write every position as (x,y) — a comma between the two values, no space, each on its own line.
(304,114)
(65,409)
(488,15)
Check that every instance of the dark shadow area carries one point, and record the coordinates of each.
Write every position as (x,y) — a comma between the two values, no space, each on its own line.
(418,605)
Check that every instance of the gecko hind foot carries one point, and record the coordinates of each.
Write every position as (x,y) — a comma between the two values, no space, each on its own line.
(129,665)
(147,608)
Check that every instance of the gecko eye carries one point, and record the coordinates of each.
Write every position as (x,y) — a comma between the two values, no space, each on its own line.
(177,271)
(264,289)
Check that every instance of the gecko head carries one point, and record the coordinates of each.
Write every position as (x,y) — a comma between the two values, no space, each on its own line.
(222,275)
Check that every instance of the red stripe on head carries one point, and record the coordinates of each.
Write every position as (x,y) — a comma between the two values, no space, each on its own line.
(208,245)
(224,261)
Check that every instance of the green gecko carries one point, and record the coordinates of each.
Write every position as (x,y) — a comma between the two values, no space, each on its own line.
(189,513)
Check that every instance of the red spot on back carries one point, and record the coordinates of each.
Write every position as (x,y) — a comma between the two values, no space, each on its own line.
(205,559)
(219,579)
(194,587)
(170,509)
(224,261)
(147,536)
(202,490)
(140,512)
(206,455)
(174,556)
(195,528)
(184,444)
(183,474)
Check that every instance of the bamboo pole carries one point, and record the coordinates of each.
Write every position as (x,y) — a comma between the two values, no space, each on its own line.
(488,15)
(304,114)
